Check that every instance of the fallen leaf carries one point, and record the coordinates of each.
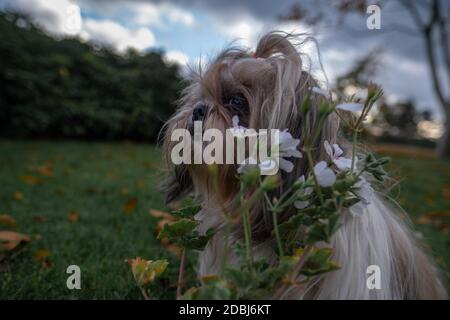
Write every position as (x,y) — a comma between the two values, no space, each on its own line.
(41,255)
(140,183)
(18,196)
(45,170)
(31,180)
(73,216)
(130,205)
(446,192)
(8,221)
(424,220)
(161,214)
(10,240)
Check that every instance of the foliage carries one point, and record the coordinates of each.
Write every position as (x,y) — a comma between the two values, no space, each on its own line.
(67,88)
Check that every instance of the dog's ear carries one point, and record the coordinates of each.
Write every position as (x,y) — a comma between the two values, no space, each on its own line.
(177,184)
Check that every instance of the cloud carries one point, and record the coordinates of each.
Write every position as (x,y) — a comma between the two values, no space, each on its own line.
(176,57)
(142,13)
(60,17)
(113,34)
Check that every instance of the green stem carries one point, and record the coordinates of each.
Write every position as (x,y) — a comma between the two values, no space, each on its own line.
(354,139)
(181,273)
(275,225)
(225,245)
(311,168)
(247,234)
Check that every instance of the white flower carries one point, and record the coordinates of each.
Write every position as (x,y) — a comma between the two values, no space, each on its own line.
(287,148)
(335,152)
(325,176)
(365,193)
(350,106)
(301,204)
(320,91)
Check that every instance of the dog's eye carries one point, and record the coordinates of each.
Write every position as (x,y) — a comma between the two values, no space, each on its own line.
(236,101)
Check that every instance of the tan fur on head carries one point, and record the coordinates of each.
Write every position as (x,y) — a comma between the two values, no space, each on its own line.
(273,84)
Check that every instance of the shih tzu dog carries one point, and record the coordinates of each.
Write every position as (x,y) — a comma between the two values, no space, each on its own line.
(263,88)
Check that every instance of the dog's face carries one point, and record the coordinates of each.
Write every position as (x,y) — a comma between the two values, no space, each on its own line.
(264,89)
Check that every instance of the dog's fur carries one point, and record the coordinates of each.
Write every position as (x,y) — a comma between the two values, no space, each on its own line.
(273,82)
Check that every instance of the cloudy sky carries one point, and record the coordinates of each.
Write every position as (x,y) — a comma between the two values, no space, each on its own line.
(190,29)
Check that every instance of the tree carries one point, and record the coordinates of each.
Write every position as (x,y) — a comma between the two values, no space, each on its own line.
(431,19)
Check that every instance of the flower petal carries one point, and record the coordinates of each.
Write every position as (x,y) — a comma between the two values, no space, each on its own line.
(325,176)
(337,150)
(343,163)
(286,165)
(301,204)
(350,106)
(320,91)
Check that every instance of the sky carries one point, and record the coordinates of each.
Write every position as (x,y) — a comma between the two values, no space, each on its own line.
(189,31)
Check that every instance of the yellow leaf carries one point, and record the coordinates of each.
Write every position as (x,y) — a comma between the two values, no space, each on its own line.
(45,170)
(130,205)
(8,221)
(29,179)
(41,255)
(10,240)
(73,216)
(18,196)
(145,271)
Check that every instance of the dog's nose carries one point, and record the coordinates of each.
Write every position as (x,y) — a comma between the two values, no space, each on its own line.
(199,112)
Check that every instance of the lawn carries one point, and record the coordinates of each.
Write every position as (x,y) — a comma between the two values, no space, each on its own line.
(77,201)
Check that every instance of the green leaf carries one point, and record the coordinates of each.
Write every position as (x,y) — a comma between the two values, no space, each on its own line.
(183,233)
(179,229)
(322,230)
(187,212)
(319,261)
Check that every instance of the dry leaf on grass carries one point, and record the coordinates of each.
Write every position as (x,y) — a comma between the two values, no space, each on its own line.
(8,221)
(31,180)
(437,219)
(9,240)
(45,170)
(42,256)
(130,205)
(73,216)
(18,196)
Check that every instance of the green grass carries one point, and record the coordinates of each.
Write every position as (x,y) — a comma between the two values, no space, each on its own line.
(96,180)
